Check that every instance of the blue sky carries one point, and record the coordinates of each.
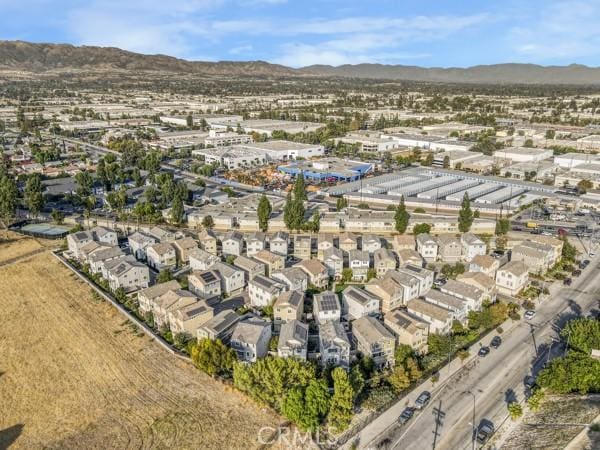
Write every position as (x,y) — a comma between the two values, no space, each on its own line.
(296,33)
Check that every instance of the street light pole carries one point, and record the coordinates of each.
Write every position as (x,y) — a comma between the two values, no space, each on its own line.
(473,425)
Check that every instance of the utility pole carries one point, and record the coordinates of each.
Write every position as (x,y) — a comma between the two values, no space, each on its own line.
(473,429)
(439,417)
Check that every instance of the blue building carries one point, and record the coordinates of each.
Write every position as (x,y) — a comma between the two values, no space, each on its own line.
(328,170)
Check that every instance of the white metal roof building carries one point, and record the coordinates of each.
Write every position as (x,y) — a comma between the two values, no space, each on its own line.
(443,191)
(473,193)
(501,195)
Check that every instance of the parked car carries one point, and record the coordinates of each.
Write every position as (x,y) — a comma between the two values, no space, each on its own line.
(440,282)
(529,314)
(496,341)
(576,272)
(484,351)
(567,281)
(423,399)
(406,415)
(529,382)
(484,431)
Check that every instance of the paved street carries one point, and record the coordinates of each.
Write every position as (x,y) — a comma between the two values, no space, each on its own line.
(446,422)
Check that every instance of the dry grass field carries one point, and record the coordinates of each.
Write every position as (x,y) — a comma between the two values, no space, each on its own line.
(75,374)
(16,246)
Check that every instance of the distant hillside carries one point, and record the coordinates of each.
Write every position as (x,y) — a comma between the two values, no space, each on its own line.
(18,55)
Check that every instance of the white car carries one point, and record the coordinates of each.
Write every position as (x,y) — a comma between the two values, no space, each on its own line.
(529,314)
(592,254)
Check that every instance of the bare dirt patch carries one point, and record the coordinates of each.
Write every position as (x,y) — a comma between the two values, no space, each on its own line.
(75,374)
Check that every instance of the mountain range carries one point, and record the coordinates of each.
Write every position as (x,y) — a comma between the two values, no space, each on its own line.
(38,58)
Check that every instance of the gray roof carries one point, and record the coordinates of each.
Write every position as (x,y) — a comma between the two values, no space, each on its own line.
(222,321)
(267,284)
(327,301)
(463,289)
(333,333)
(249,331)
(358,295)
(294,330)
(293,298)
(445,300)
(371,329)
(106,253)
(159,289)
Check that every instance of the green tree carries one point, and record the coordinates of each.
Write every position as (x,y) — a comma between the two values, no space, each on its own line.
(421,228)
(299,189)
(398,379)
(535,399)
(357,380)
(576,372)
(515,410)
(446,163)
(57,216)
(401,217)
(428,159)
(177,210)
(569,252)
(34,198)
(341,203)
(208,222)
(189,120)
(502,227)
(164,276)
(347,275)
(583,334)
(213,357)
(317,400)
(340,410)
(85,182)
(528,143)
(264,212)
(402,353)
(584,186)
(412,367)
(465,215)
(9,197)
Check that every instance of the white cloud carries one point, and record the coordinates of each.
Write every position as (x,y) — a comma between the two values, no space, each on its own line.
(240,50)
(564,30)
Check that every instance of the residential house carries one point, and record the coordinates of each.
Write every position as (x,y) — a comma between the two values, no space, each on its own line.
(439,318)
(472,246)
(161,256)
(449,248)
(324,242)
(458,307)
(427,247)
(302,246)
(272,261)
(334,345)
(326,307)
(511,278)
(171,301)
(537,259)
(472,295)
(129,275)
(293,278)
(383,260)
(183,248)
(279,243)
(162,234)
(187,319)
(250,266)
(357,303)
(264,291)
(138,242)
(404,242)
(318,275)
(370,243)
(89,249)
(206,284)
(293,340)
(348,242)
(200,259)
(255,242)
(409,329)
(105,235)
(219,327)
(208,241)
(288,306)
(250,339)
(97,258)
(482,282)
(75,241)
(232,278)
(333,259)
(389,291)
(485,264)
(424,276)
(410,257)
(358,261)
(233,243)
(147,297)
(374,341)
(556,244)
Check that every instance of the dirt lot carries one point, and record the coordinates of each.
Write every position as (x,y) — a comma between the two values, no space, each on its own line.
(75,374)
(558,421)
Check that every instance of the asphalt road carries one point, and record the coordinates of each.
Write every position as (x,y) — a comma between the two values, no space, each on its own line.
(495,380)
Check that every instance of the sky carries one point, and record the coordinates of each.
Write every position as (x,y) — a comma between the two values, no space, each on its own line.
(296,33)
